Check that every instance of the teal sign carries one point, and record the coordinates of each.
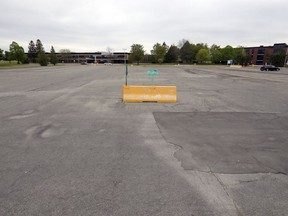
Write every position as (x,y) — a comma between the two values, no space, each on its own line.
(152,73)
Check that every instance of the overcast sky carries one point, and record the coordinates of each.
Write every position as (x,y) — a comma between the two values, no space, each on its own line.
(93,25)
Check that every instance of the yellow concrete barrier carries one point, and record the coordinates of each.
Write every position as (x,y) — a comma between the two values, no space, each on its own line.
(161,94)
(235,66)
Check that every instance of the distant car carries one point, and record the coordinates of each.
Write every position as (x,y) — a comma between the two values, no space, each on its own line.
(269,68)
(107,63)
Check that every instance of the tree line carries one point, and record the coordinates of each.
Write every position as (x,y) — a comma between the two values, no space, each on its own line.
(36,54)
(185,52)
(190,53)
(201,53)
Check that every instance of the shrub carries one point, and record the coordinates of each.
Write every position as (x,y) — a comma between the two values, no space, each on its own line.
(42,59)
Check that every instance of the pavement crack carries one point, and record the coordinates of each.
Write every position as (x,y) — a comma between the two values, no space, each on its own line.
(281,173)
(248,181)
(225,189)
(177,147)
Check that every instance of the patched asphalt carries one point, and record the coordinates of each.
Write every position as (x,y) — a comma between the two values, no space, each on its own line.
(225,142)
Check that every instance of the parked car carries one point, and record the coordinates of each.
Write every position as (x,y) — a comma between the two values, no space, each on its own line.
(107,63)
(269,68)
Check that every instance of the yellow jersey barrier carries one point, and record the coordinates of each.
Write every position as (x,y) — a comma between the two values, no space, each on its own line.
(160,94)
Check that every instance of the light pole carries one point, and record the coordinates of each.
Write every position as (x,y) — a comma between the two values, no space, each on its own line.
(126,68)
(286,58)
(95,61)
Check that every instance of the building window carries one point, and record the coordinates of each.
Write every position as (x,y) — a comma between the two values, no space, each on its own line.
(261,51)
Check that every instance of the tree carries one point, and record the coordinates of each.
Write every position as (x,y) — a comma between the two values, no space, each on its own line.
(202,55)
(42,59)
(278,58)
(148,58)
(166,46)
(109,51)
(198,47)
(17,52)
(181,43)
(216,55)
(32,52)
(227,53)
(64,55)
(25,60)
(187,53)
(39,47)
(215,47)
(53,56)
(7,56)
(240,56)
(1,54)
(159,52)
(172,55)
(136,53)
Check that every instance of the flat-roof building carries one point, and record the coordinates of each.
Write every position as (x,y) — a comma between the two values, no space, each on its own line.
(93,57)
(259,54)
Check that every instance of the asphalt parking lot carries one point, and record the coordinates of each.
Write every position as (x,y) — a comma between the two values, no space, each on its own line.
(69,146)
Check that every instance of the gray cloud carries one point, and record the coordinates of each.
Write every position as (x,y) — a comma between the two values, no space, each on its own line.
(93,25)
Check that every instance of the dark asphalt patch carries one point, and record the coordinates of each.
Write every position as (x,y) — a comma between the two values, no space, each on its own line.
(228,142)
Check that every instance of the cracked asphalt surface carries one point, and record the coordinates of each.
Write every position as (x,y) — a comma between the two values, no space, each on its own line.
(235,143)
(69,146)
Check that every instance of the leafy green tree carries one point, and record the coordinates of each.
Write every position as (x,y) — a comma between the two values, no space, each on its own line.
(17,52)
(227,53)
(240,56)
(202,55)
(277,59)
(215,47)
(159,52)
(216,55)
(32,52)
(53,56)
(137,53)
(198,47)
(7,56)
(166,46)
(42,58)
(25,60)
(1,54)
(172,55)
(187,52)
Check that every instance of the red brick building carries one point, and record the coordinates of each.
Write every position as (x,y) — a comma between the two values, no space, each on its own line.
(259,54)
